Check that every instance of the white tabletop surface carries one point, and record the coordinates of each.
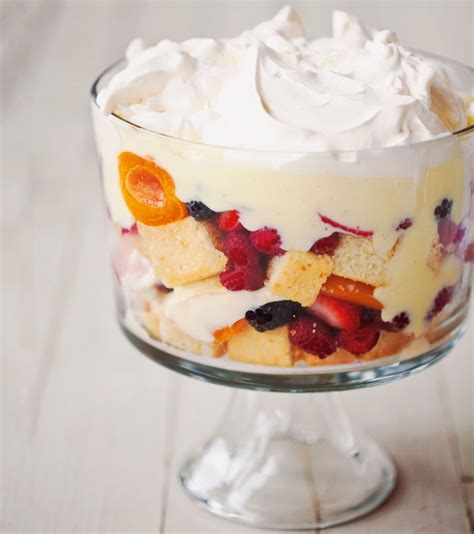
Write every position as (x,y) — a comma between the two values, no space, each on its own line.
(92,432)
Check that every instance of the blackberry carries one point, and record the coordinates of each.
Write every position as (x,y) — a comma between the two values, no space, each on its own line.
(370,316)
(272,315)
(200,211)
(444,209)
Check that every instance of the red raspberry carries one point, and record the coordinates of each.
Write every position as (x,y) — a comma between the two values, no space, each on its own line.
(360,341)
(469,253)
(405,224)
(399,322)
(267,241)
(369,316)
(327,245)
(132,230)
(313,336)
(442,298)
(239,249)
(229,221)
(240,278)
(447,231)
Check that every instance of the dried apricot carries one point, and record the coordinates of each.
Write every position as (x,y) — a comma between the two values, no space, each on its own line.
(224,334)
(351,291)
(149,191)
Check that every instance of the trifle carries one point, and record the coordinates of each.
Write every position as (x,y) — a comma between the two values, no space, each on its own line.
(280,201)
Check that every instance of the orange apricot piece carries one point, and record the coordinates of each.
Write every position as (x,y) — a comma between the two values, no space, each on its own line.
(222,335)
(351,291)
(149,191)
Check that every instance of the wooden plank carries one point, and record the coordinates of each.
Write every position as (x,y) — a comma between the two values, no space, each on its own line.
(407,418)
(83,415)
(94,459)
(456,390)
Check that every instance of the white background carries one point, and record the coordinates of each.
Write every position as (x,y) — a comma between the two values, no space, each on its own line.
(93,433)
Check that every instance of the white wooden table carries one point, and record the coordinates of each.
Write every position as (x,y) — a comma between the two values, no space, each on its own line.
(92,432)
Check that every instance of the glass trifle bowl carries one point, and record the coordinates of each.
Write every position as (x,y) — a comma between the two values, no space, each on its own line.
(288,271)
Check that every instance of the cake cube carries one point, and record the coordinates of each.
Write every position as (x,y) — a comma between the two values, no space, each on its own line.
(264,348)
(182,252)
(299,276)
(355,258)
(435,255)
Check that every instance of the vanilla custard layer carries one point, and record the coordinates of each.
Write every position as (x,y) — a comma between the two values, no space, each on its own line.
(374,193)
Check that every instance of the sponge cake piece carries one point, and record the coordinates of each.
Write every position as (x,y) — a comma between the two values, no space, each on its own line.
(299,276)
(355,258)
(264,348)
(182,252)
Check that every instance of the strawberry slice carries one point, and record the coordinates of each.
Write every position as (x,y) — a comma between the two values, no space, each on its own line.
(355,231)
(336,313)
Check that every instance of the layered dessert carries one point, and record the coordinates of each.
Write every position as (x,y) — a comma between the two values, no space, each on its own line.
(281,201)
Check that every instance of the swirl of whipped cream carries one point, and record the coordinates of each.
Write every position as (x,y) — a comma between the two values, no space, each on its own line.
(273,89)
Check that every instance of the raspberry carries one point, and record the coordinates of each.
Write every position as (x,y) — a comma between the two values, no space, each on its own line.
(243,278)
(459,234)
(369,316)
(405,224)
(200,211)
(239,250)
(444,209)
(360,341)
(132,230)
(469,253)
(229,221)
(313,336)
(327,245)
(267,241)
(273,314)
(399,322)
(447,231)
(442,298)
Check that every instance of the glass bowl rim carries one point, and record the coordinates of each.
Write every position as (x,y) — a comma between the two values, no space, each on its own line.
(382,150)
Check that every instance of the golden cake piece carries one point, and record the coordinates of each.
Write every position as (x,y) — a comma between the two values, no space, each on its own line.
(389,343)
(263,348)
(151,321)
(182,252)
(163,329)
(355,258)
(435,255)
(299,276)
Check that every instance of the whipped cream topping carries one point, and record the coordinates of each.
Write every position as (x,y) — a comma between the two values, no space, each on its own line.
(272,88)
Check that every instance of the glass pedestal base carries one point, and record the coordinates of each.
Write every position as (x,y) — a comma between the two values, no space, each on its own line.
(288,461)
